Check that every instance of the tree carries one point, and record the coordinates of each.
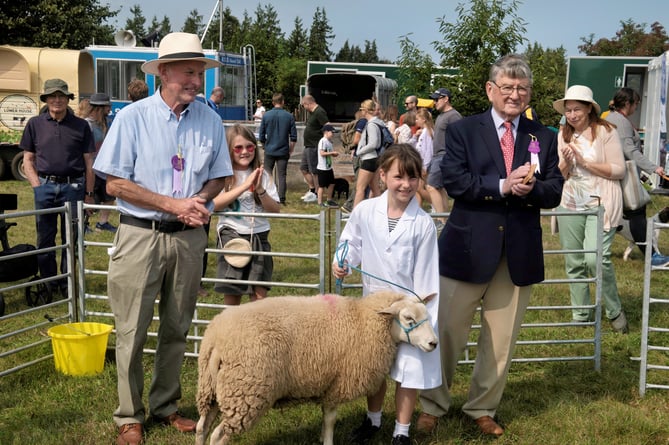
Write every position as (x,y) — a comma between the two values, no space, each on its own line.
(137,23)
(267,38)
(320,36)
(630,40)
(484,31)
(72,24)
(296,45)
(549,71)
(193,23)
(415,69)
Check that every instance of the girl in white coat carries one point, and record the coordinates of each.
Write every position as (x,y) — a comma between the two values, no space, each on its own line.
(392,238)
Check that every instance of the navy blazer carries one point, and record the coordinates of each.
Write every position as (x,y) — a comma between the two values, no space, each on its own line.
(483,225)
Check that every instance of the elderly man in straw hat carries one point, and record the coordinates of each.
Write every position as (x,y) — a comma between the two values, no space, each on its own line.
(165,158)
(58,161)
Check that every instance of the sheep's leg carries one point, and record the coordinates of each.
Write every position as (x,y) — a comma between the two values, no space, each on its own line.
(203,425)
(219,436)
(329,417)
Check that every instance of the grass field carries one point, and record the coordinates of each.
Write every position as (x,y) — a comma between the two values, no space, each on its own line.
(564,402)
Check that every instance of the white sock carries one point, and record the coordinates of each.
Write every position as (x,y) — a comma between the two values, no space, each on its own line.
(375,418)
(401,429)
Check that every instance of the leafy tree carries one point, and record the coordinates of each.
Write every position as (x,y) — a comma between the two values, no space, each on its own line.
(136,23)
(320,36)
(630,40)
(415,69)
(296,45)
(484,31)
(267,38)
(290,76)
(549,71)
(72,24)
(193,23)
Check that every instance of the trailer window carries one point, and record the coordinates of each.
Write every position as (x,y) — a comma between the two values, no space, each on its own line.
(113,76)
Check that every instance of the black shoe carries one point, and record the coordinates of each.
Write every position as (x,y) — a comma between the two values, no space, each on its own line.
(364,433)
(401,440)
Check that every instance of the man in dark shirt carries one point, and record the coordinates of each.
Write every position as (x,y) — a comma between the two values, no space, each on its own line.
(278,133)
(312,134)
(58,159)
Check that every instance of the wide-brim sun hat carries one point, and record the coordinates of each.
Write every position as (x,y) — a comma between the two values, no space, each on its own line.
(580,93)
(52,86)
(178,47)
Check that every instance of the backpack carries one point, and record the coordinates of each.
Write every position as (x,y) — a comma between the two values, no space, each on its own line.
(347,134)
(387,138)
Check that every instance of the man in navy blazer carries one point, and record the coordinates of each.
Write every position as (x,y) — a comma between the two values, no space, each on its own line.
(490,251)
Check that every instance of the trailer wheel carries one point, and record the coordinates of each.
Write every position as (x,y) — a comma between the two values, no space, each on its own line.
(17,167)
(38,295)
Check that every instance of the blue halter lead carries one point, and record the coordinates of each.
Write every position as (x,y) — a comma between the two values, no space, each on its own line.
(340,255)
(411,328)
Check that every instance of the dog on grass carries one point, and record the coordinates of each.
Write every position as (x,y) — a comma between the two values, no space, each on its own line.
(341,187)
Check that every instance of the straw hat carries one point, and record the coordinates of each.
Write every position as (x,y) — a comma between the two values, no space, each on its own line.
(576,92)
(238,245)
(176,47)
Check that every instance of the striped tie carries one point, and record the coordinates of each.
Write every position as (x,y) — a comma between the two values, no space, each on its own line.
(507,147)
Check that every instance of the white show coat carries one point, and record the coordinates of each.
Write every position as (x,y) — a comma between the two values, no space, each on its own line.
(407,256)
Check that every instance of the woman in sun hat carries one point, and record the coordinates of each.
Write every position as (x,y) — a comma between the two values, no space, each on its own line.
(592,163)
(165,158)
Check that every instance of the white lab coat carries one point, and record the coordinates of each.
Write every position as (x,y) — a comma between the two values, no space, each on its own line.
(407,256)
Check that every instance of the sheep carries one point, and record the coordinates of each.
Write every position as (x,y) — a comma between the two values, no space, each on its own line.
(327,347)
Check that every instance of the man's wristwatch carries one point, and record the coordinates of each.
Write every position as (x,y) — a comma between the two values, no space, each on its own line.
(90,194)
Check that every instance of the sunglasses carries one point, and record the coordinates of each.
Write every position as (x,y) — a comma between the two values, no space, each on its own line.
(250,148)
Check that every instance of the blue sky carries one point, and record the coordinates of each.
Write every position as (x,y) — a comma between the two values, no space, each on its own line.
(562,23)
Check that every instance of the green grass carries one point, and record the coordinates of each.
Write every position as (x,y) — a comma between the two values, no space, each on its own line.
(544,403)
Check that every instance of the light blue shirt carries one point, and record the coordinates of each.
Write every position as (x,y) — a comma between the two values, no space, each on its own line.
(144,138)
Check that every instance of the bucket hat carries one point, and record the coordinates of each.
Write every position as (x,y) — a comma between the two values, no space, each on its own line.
(576,92)
(52,86)
(99,99)
(176,47)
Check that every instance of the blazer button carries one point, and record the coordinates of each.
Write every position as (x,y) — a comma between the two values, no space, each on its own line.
(500,228)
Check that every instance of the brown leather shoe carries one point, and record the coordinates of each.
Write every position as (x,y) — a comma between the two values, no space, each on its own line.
(488,426)
(130,434)
(426,423)
(183,424)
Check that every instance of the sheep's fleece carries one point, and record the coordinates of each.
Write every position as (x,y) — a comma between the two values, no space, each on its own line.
(325,347)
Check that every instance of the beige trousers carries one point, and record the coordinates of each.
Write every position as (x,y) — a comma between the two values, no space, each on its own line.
(143,265)
(503,306)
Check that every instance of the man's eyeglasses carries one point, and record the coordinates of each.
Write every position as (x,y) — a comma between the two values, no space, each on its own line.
(408,103)
(507,90)
(239,148)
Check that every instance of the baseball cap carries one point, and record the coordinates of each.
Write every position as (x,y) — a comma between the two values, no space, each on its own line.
(441,92)
(328,127)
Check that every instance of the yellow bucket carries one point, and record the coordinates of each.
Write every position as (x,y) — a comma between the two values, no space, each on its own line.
(79,348)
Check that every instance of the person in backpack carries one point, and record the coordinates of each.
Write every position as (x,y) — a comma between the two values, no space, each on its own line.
(368,152)
(360,124)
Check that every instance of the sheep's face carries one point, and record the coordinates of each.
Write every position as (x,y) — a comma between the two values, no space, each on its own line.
(412,325)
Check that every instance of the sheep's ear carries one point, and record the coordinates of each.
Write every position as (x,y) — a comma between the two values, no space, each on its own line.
(429,298)
(390,311)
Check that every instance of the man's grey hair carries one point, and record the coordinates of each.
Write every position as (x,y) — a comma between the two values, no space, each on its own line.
(513,65)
